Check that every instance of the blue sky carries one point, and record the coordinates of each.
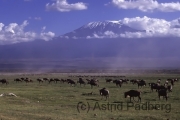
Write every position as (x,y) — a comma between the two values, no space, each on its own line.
(48,18)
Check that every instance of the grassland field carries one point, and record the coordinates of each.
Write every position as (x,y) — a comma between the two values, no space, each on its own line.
(61,101)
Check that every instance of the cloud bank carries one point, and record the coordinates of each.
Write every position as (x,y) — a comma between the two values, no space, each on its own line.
(14,33)
(147,5)
(153,27)
(64,6)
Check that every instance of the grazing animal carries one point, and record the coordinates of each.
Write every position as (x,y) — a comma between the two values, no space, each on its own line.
(118,83)
(93,83)
(162,92)
(51,80)
(63,80)
(56,80)
(141,83)
(134,81)
(133,93)
(4,81)
(81,81)
(40,80)
(104,92)
(46,79)
(125,81)
(108,80)
(27,80)
(71,82)
(17,80)
(157,87)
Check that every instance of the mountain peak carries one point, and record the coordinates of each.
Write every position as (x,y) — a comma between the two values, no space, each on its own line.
(92,25)
(100,29)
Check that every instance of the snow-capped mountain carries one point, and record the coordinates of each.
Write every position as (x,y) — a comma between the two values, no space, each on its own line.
(101,29)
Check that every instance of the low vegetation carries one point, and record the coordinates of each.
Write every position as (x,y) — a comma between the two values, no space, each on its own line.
(55,101)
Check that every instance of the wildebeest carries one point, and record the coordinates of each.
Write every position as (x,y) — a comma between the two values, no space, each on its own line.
(81,81)
(4,81)
(118,82)
(157,87)
(40,80)
(162,92)
(108,80)
(63,80)
(141,83)
(17,80)
(93,83)
(104,92)
(51,80)
(27,80)
(125,81)
(56,80)
(71,82)
(134,81)
(46,79)
(133,93)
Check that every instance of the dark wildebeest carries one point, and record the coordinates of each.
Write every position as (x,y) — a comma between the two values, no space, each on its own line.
(125,81)
(157,87)
(108,80)
(57,79)
(27,80)
(133,93)
(17,80)
(104,92)
(4,81)
(46,79)
(118,82)
(72,82)
(63,80)
(51,80)
(81,81)
(93,83)
(141,83)
(162,92)
(40,80)
(134,81)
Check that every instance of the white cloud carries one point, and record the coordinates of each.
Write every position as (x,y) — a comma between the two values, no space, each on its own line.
(64,6)
(47,36)
(154,28)
(147,5)
(14,33)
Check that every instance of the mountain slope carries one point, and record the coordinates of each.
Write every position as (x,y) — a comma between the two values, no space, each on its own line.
(104,28)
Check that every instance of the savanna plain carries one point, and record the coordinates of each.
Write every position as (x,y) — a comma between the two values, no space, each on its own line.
(57,101)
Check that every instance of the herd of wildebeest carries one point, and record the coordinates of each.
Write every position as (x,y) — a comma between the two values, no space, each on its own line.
(162,88)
